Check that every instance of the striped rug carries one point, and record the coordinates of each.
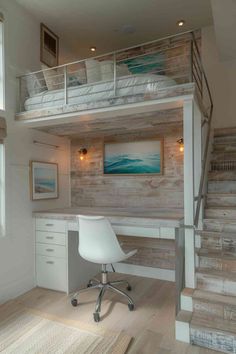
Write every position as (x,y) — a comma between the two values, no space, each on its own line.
(27,331)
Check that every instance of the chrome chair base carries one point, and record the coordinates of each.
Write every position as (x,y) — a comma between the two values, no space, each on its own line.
(103,286)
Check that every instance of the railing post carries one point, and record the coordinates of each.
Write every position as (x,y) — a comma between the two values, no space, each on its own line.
(189,194)
(179,265)
(65,86)
(197,158)
(114,65)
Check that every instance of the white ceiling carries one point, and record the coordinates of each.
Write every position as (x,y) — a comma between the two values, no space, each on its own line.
(85,23)
(224,13)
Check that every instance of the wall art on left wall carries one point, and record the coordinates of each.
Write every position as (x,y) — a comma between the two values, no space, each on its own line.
(49,46)
(43,180)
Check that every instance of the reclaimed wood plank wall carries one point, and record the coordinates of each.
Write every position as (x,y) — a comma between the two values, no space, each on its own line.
(89,187)
(155,253)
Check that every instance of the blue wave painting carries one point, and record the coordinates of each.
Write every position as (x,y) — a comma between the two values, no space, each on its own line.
(136,157)
(132,163)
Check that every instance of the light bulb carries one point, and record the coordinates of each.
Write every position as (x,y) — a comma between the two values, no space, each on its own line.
(181,23)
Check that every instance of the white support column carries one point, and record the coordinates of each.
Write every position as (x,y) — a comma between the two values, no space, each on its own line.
(197,156)
(188,117)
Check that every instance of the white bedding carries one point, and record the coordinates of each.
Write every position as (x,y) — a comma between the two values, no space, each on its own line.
(101,91)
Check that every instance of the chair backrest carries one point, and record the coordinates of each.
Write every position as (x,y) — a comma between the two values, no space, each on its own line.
(97,240)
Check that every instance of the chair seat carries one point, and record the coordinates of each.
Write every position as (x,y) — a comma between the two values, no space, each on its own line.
(109,260)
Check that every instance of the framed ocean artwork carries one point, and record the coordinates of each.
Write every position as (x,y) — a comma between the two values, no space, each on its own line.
(43,180)
(133,158)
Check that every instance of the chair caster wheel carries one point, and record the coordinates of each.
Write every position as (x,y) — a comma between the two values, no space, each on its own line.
(74,302)
(96,317)
(129,288)
(131,307)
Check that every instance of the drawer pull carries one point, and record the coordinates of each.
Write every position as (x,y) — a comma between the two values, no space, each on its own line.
(50,250)
(49,237)
(49,224)
(50,262)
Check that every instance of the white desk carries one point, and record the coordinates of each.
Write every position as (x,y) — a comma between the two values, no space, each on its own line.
(58,264)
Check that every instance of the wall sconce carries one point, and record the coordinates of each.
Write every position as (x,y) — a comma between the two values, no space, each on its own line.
(181,144)
(82,153)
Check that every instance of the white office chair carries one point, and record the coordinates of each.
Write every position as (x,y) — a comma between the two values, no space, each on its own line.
(98,244)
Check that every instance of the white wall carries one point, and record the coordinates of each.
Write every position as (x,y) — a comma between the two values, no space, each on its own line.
(17,247)
(222,79)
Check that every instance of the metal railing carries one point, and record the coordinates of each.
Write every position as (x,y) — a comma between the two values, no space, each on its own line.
(107,79)
(206,102)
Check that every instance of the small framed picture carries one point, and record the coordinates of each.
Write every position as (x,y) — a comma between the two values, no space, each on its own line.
(43,180)
(49,46)
(133,158)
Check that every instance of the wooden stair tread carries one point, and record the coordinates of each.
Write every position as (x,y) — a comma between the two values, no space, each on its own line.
(222,175)
(210,296)
(225,132)
(223,221)
(217,273)
(227,207)
(224,143)
(225,194)
(214,323)
(204,252)
(216,233)
(221,212)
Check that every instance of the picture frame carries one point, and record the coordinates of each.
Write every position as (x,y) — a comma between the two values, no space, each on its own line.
(49,46)
(139,157)
(43,180)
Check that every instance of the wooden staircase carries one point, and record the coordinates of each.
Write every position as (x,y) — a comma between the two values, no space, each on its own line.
(212,323)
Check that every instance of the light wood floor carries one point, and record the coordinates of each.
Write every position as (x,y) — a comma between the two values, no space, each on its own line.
(151,324)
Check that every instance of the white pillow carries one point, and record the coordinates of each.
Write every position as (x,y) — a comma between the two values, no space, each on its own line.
(93,70)
(122,70)
(54,78)
(81,75)
(34,85)
(107,70)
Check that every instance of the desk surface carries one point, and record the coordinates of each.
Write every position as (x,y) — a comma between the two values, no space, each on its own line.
(148,217)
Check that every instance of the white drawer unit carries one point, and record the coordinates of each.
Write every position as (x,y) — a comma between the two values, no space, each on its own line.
(51,272)
(50,250)
(58,264)
(51,237)
(51,225)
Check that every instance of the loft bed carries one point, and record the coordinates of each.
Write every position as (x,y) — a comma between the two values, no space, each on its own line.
(168,68)
(100,95)
(122,91)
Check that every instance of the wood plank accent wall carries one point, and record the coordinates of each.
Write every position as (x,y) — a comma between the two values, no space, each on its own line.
(89,187)
(155,253)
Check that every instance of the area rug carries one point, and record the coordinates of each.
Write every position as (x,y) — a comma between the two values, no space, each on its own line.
(26,331)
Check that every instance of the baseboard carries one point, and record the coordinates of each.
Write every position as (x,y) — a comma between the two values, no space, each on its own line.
(16,289)
(148,272)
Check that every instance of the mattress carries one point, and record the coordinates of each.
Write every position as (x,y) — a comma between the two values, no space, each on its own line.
(99,92)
